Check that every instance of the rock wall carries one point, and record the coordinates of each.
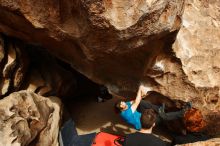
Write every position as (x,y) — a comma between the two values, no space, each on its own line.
(111,42)
(172,46)
(28,67)
(191,73)
(29,119)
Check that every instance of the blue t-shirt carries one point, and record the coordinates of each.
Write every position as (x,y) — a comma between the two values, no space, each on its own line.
(130,117)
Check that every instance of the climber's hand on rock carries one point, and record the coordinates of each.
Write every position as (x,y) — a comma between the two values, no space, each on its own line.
(143,90)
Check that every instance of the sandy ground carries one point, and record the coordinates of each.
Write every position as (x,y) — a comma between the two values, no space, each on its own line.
(91,116)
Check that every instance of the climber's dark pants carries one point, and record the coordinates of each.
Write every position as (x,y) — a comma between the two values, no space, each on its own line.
(147,105)
(161,116)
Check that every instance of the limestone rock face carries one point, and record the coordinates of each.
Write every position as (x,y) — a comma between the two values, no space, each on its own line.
(198,41)
(211,142)
(188,69)
(197,49)
(29,119)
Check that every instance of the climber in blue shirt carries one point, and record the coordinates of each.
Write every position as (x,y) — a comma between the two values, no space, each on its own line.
(131,117)
(131,111)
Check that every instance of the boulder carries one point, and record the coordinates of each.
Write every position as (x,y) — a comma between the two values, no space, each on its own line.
(191,73)
(111,42)
(29,119)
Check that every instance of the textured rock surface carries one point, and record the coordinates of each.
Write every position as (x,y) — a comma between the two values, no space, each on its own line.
(211,142)
(29,119)
(24,67)
(46,77)
(198,43)
(122,43)
(194,76)
(111,42)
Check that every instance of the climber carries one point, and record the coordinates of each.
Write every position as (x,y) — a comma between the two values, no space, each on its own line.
(128,109)
(145,137)
(131,111)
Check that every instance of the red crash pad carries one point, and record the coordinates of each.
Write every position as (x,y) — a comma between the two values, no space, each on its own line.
(106,139)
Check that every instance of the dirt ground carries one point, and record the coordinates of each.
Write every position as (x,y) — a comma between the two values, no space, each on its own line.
(92,116)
